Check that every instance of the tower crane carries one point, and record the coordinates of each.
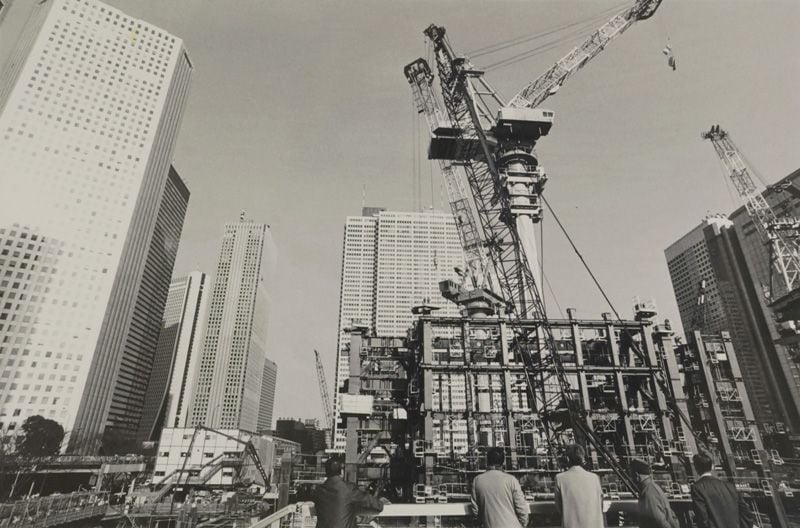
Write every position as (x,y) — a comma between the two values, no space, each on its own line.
(494,144)
(323,391)
(781,233)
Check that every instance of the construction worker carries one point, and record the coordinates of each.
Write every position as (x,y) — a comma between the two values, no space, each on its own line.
(497,499)
(654,508)
(338,503)
(579,497)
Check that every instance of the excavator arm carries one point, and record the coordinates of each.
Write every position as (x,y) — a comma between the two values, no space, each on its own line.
(550,81)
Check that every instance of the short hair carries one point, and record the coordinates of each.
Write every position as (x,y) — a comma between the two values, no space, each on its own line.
(703,462)
(640,466)
(495,457)
(575,454)
(333,467)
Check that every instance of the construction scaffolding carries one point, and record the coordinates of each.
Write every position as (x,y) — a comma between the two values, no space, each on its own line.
(472,395)
(721,414)
(421,411)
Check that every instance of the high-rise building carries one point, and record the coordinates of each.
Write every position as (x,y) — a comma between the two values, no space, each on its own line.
(782,359)
(177,354)
(90,106)
(228,390)
(711,252)
(267,404)
(391,262)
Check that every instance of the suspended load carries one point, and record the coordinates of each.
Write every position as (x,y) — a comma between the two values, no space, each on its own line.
(670,57)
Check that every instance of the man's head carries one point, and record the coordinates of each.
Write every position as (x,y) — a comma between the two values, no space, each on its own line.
(333,467)
(640,468)
(575,455)
(495,457)
(703,462)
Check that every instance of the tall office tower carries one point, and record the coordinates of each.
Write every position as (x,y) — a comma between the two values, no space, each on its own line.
(90,106)
(177,354)
(269,381)
(712,252)
(782,359)
(228,391)
(391,262)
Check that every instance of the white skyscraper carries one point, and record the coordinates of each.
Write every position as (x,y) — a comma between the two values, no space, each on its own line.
(177,358)
(391,262)
(228,392)
(90,106)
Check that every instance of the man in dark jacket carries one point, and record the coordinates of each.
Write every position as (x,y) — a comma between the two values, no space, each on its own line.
(654,508)
(338,503)
(716,503)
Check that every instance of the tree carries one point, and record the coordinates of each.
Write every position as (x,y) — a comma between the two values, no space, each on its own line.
(40,437)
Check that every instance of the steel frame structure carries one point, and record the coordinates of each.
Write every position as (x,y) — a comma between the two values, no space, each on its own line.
(720,409)
(618,395)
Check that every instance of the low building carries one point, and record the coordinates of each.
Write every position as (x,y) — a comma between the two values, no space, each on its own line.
(307,433)
(214,458)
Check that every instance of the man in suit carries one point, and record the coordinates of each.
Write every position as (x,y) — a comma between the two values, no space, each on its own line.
(497,498)
(338,503)
(716,502)
(654,508)
(579,497)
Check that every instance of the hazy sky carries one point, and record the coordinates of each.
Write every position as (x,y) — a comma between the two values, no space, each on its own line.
(296,105)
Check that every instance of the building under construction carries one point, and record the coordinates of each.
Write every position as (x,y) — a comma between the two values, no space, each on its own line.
(722,417)
(422,410)
(437,399)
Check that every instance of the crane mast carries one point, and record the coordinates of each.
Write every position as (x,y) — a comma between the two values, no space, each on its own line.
(780,233)
(323,391)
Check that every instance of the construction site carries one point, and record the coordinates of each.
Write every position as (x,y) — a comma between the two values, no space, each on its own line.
(420,411)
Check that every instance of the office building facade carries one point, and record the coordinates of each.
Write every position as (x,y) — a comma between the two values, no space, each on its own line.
(90,106)
(711,252)
(229,383)
(177,354)
(781,360)
(269,382)
(391,262)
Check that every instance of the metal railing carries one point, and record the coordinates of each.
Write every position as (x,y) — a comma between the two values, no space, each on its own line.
(302,515)
(53,510)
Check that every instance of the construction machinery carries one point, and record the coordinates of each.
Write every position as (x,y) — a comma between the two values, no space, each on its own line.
(493,143)
(780,233)
(200,476)
(323,392)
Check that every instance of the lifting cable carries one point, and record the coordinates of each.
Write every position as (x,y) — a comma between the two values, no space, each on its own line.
(558,42)
(664,386)
(522,39)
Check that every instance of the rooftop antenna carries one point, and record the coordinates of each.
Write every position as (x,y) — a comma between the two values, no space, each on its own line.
(363,195)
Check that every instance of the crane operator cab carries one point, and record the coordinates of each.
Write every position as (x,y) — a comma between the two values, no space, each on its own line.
(523,124)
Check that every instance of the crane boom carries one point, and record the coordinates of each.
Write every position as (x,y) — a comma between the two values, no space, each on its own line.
(550,81)
(420,77)
(781,233)
(323,391)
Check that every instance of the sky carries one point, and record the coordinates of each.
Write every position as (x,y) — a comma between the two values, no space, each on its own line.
(298,110)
